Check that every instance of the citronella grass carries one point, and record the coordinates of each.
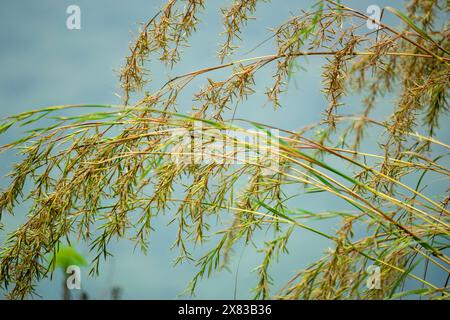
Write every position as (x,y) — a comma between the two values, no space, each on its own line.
(95,169)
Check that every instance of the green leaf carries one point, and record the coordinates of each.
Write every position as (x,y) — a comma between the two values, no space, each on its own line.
(67,256)
(410,292)
(4,127)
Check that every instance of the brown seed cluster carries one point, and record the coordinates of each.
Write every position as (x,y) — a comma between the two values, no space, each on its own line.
(110,171)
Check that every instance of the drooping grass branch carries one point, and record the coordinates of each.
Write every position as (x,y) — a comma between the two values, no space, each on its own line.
(109,171)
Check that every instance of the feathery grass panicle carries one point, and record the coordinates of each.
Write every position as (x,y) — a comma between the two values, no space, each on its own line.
(107,173)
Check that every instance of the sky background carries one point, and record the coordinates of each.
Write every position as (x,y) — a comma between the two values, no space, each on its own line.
(42,63)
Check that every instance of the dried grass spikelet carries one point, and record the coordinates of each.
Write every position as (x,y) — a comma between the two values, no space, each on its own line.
(100,175)
(234,17)
(336,73)
(220,96)
(165,36)
(289,43)
(290,38)
(381,79)
(423,11)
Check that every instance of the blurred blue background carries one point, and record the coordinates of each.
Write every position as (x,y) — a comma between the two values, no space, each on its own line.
(42,63)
